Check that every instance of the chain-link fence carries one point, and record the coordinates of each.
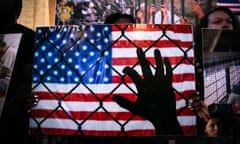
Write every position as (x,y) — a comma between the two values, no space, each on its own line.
(77,71)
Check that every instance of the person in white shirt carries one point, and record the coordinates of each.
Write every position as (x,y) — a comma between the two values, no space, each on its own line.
(164,16)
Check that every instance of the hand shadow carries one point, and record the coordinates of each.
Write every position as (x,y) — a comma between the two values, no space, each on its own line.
(156,100)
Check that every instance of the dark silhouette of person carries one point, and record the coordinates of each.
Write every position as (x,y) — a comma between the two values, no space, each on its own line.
(14,120)
(156,100)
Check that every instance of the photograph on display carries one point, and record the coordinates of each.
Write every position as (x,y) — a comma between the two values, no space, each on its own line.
(76,12)
(9,44)
(221,70)
(79,77)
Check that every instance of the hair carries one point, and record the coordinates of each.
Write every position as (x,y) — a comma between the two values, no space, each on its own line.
(10,10)
(236,88)
(204,20)
(2,43)
(112,18)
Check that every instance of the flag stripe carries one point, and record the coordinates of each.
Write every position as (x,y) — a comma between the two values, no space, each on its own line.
(92,98)
(85,106)
(233,6)
(103,88)
(60,131)
(105,124)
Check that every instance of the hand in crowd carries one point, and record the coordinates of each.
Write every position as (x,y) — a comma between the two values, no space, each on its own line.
(184,20)
(152,9)
(197,9)
(200,108)
(164,9)
(31,101)
(4,71)
(156,100)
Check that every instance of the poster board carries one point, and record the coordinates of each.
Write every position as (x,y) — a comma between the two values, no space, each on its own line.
(221,66)
(77,12)
(78,69)
(9,42)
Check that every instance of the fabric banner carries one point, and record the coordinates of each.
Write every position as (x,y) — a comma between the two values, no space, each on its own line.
(234,5)
(77,70)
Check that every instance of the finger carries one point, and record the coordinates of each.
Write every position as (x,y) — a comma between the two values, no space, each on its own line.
(205,109)
(147,73)
(202,115)
(182,20)
(135,77)
(168,70)
(125,103)
(159,64)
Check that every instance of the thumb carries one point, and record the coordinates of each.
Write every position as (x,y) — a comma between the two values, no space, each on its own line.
(125,103)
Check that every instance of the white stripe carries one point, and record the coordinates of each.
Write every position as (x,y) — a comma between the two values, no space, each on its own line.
(105,125)
(228,4)
(165,52)
(152,35)
(235,9)
(97,88)
(180,69)
(180,104)
(105,88)
(187,120)
(78,106)
(93,124)
(184,86)
(86,106)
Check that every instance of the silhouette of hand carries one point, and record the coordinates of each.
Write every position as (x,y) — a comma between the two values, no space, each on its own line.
(156,100)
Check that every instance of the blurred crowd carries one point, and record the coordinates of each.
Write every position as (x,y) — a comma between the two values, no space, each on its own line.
(86,11)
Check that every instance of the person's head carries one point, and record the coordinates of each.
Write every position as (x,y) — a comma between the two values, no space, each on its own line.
(10,11)
(214,127)
(2,46)
(63,2)
(236,88)
(219,18)
(118,18)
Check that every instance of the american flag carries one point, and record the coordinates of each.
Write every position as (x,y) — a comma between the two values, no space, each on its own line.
(77,70)
(234,5)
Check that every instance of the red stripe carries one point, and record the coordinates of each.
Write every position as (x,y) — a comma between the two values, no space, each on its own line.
(132,61)
(185,112)
(55,131)
(151,43)
(82,115)
(188,130)
(78,97)
(185,94)
(152,27)
(176,78)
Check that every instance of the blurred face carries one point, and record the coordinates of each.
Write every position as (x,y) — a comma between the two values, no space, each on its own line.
(140,14)
(213,127)
(219,20)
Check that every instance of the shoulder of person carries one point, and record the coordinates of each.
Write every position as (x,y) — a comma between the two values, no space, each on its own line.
(24,29)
